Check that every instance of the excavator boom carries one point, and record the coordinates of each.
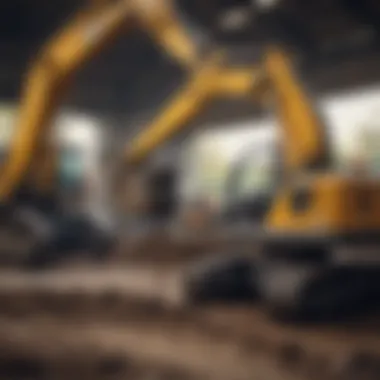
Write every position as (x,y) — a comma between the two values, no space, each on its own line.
(44,85)
(183,107)
(305,146)
(89,32)
(304,143)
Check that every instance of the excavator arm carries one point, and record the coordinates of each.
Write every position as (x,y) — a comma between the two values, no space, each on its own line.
(90,31)
(210,81)
(183,107)
(160,19)
(274,80)
(44,85)
(304,140)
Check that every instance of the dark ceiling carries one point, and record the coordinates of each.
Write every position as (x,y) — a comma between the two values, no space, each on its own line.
(117,80)
(132,77)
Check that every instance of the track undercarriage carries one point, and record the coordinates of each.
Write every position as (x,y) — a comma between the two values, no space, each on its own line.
(296,282)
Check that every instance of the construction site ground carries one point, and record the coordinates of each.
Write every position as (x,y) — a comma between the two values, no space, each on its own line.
(127,320)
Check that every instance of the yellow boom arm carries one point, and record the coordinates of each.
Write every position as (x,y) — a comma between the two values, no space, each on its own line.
(303,132)
(86,35)
(211,80)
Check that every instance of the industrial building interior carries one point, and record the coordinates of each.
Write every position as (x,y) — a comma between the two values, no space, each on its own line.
(190,189)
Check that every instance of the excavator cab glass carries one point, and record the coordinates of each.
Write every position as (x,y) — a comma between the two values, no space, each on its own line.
(251,183)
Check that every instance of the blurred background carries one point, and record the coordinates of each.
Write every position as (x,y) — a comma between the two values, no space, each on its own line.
(215,171)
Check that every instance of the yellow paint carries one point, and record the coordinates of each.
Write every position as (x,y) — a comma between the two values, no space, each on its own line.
(336,206)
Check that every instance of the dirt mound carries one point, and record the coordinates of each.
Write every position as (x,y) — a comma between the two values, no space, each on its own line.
(126,323)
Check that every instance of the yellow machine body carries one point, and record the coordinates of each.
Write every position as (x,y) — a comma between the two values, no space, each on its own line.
(327,204)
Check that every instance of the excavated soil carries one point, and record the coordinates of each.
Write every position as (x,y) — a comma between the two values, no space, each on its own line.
(127,320)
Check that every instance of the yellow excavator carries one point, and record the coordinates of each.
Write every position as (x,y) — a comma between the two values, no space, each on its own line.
(28,173)
(319,237)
